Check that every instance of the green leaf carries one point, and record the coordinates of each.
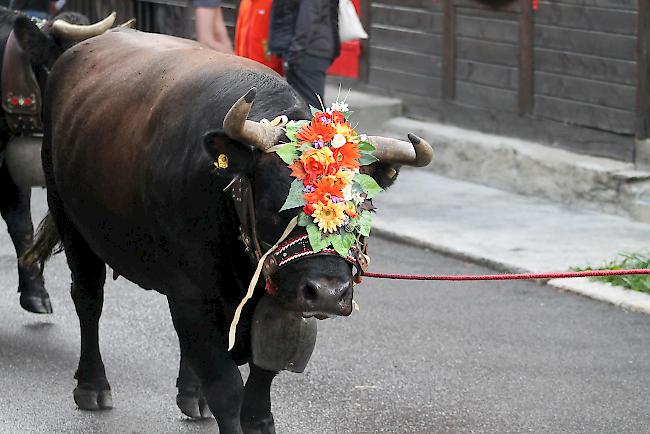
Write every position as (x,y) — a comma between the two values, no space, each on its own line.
(315,238)
(368,184)
(292,128)
(365,223)
(314,110)
(288,153)
(366,159)
(366,147)
(343,242)
(303,219)
(295,198)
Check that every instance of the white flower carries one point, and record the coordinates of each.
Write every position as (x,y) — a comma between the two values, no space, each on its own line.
(347,192)
(363,137)
(338,141)
(340,107)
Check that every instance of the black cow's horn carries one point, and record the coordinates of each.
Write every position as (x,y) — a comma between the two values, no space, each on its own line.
(237,126)
(418,153)
(77,32)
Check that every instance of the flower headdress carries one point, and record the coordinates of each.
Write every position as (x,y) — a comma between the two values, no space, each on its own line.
(324,155)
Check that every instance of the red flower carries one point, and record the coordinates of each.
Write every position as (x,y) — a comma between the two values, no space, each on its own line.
(332,168)
(338,117)
(308,209)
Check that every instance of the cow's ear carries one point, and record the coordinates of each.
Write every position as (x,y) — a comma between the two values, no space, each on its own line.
(229,156)
(384,174)
(38,47)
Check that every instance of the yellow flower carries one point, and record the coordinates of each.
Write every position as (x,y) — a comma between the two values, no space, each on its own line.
(347,131)
(330,216)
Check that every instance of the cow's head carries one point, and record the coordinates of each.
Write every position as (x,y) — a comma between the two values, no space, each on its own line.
(317,285)
(43,45)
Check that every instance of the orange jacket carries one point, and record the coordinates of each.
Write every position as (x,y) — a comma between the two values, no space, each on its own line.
(252,33)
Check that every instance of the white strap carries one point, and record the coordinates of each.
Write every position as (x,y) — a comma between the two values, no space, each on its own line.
(251,287)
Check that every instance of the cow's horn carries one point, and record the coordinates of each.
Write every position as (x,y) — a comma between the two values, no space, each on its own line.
(418,153)
(77,32)
(130,24)
(237,126)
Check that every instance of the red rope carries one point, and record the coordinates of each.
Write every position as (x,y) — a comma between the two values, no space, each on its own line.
(521,276)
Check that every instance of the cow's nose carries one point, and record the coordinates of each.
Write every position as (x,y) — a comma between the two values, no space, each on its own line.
(325,297)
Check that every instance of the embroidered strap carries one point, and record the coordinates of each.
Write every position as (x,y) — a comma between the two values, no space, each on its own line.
(21,95)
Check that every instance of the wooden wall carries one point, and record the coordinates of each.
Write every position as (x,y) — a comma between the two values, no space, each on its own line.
(584,57)
(585,63)
(405,49)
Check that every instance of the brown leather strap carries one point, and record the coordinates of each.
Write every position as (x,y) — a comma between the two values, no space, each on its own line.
(21,95)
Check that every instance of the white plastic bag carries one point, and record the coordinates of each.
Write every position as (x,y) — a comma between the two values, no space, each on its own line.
(350,27)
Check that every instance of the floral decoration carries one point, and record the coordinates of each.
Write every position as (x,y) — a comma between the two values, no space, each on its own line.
(324,155)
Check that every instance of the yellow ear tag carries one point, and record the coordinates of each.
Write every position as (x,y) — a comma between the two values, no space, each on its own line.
(222,162)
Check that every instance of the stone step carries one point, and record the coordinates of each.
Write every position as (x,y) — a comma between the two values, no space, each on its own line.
(371,112)
(528,168)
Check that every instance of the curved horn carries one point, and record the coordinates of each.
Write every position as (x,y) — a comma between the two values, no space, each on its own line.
(418,153)
(238,127)
(130,24)
(76,32)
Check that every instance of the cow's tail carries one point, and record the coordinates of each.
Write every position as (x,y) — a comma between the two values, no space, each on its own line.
(47,242)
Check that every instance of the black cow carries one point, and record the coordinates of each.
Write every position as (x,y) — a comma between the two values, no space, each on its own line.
(38,48)
(133,124)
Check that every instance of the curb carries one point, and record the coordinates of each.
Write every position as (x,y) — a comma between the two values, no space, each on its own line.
(601,291)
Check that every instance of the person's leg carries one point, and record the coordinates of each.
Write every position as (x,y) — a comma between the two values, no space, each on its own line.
(308,78)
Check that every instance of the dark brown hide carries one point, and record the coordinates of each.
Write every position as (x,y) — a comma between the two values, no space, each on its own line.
(129,165)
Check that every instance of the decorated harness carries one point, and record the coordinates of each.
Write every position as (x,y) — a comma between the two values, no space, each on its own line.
(20,92)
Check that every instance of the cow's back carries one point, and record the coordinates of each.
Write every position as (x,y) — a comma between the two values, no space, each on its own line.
(126,115)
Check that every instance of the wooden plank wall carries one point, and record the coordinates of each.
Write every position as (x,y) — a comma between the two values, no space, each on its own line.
(405,47)
(585,63)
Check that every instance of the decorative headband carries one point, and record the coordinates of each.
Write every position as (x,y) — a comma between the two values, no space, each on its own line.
(324,155)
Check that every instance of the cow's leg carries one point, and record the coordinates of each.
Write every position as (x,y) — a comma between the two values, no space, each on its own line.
(206,353)
(256,416)
(190,398)
(87,290)
(15,210)
(88,276)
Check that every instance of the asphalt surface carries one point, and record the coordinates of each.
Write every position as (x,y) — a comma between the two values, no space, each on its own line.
(417,358)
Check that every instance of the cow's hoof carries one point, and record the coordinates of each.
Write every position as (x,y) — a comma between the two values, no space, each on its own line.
(193,404)
(39,303)
(264,425)
(90,399)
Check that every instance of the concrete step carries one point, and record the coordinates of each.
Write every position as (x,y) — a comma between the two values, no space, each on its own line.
(371,112)
(528,168)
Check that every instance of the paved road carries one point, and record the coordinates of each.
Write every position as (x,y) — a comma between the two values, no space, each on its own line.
(417,358)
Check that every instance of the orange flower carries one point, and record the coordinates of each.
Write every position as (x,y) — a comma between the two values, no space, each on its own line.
(316,131)
(339,179)
(324,190)
(315,161)
(347,156)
